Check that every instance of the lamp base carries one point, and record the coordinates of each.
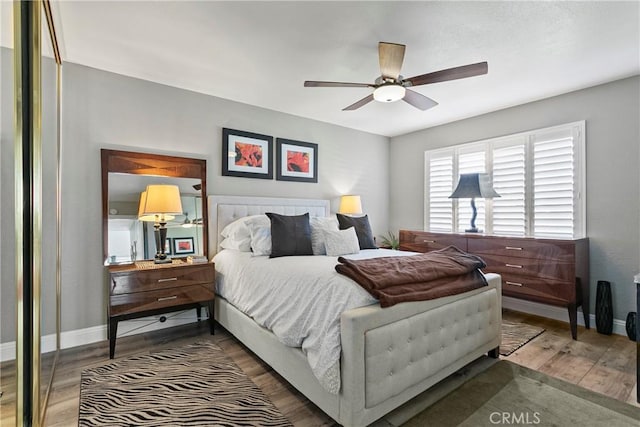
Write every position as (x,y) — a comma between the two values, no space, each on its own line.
(162,259)
(472,230)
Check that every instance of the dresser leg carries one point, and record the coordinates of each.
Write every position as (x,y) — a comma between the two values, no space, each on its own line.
(573,320)
(199,312)
(582,301)
(211,317)
(113,330)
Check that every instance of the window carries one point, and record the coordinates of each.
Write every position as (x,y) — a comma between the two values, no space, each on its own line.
(538,174)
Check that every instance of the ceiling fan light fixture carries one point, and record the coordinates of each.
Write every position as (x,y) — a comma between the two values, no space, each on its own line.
(389,93)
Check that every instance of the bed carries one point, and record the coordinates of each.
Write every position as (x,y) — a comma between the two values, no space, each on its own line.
(387,356)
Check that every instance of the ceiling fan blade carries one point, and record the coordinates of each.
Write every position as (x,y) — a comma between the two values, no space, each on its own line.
(450,74)
(418,100)
(363,101)
(391,57)
(312,83)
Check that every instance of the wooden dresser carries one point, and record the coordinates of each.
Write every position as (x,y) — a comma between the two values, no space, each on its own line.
(146,289)
(549,271)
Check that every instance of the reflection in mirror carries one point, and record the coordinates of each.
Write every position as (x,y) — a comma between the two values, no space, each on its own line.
(130,239)
(125,175)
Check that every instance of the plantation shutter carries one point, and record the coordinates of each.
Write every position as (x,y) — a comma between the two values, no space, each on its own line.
(509,210)
(440,187)
(470,162)
(553,184)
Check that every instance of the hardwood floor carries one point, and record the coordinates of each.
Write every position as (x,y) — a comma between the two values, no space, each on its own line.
(605,364)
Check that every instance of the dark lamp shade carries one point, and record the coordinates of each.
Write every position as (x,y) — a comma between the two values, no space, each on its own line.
(472,185)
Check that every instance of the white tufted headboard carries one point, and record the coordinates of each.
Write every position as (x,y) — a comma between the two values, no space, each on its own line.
(225,209)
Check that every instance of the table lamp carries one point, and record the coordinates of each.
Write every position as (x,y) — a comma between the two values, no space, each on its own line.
(470,186)
(160,203)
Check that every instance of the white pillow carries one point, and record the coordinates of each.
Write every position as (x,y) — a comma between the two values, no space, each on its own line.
(318,225)
(260,236)
(237,234)
(341,242)
(236,244)
(238,228)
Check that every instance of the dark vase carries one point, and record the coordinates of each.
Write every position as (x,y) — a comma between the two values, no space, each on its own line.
(604,308)
(631,325)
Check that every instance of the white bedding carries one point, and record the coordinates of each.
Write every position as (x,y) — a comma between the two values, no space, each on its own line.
(300,299)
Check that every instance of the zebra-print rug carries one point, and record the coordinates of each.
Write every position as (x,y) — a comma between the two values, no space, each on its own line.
(194,385)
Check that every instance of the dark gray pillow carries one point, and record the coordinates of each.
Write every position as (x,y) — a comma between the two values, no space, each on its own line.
(363,229)
(290,235)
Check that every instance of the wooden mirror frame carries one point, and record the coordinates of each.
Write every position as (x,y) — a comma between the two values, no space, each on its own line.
(151,164)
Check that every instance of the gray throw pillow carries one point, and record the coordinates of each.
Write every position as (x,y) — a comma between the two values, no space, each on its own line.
(363,229)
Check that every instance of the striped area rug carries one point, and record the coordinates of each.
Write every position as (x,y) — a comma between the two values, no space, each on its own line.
(194,385)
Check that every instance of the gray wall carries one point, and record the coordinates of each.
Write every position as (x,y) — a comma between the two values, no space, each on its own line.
(612,115)
(106,110)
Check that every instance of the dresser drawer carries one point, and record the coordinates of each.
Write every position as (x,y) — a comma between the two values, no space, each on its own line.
(523,248)
(529,267)
(152,300)
(418,241)
(126,282)
(541,290)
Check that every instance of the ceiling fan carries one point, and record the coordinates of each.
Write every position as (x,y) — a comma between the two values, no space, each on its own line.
(391,86)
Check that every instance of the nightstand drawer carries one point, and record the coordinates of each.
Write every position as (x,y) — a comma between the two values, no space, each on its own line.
(160,278)
(422,241)
(153,300)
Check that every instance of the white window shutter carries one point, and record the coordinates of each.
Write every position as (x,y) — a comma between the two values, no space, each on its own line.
(440,187)
(509,211)
(553,187)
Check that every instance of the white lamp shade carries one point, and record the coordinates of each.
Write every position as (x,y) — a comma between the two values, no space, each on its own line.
(159,202)
(350,204)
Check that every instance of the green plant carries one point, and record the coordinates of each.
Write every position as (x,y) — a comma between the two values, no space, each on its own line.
(390,240)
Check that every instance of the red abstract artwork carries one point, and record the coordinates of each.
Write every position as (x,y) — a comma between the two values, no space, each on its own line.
(297,161)
(248,155)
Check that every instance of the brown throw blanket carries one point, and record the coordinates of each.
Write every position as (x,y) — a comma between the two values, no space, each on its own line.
(436,274)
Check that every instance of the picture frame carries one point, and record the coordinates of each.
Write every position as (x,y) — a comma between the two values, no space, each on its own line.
(168,246)
(183,245)
(247,154)
(296,161)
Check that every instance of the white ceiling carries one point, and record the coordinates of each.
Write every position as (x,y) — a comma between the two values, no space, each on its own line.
(260,53)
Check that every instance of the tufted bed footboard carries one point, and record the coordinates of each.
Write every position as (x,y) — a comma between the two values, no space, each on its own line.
(389,355)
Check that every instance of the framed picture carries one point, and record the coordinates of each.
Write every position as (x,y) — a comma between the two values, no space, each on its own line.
(167,246)
(183,245)
(296,161)
(246,154)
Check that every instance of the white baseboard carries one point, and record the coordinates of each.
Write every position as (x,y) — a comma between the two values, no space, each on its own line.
(557,313)
(78,337)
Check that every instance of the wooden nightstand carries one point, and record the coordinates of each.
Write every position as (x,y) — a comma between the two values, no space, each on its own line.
(146,289)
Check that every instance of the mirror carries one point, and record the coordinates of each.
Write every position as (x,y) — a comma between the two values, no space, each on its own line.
(124,176)
(50,131)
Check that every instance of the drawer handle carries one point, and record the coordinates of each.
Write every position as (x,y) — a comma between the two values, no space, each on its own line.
(513,283)
(167,298)
(428,241)
(513,266)
(171,279)
(512,248)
